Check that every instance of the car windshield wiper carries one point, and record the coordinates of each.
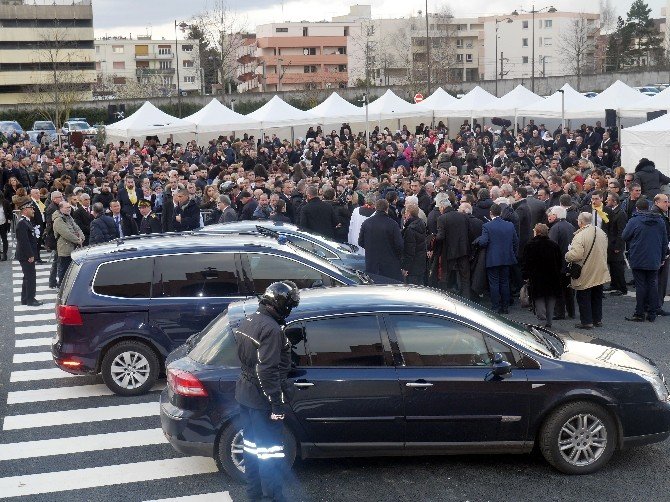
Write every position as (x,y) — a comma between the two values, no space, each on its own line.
(544,340)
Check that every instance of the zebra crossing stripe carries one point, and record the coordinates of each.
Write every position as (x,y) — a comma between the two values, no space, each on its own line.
(60,393)
(41,329)
(79,479)
(43,374)
(32,357)
(94,442)
(205,497)
(81,416)
(43,297)
(26,308)
(37,288)
(48,316)
(32,342)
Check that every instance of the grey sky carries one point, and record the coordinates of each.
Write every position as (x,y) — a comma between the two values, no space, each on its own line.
(122,17)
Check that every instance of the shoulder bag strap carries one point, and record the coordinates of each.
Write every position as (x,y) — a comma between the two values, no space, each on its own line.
(595,234)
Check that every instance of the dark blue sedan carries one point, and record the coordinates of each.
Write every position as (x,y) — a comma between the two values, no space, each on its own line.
(397,370)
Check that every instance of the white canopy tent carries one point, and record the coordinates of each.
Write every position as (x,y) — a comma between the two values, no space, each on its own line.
(278,113)
(390,106)
(576,106)
(507,105)
(650,140)
(645,104)
(440,100)
(472,105)
(148,121)
(337,110)
(217,118)
(617,97)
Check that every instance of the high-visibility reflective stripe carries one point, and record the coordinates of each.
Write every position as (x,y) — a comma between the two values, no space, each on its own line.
(272,449)
(249,443)
(266,456)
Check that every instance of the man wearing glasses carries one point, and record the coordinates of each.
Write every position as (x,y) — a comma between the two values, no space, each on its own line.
(661,206)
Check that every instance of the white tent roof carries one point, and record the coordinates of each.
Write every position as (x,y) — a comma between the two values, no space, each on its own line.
(390,106)
(473,104)
(576,106)
(335,109)
(278,113)
(643,104)
(439,100)
(217,118)
(617,96)
(507,105)
(650,140)
(148,121)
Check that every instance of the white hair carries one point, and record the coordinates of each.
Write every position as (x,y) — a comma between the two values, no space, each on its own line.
(585,218)
(559,211)
(412,200)
(439,197)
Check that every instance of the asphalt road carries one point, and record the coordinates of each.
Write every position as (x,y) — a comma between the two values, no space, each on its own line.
(65,438)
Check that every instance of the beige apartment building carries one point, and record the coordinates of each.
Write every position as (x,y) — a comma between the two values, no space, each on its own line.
(148,66)
(45,48)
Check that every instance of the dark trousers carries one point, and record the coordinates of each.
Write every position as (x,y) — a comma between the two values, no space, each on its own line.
(499,286)
(663,283)
(63,264)
(28,285)
(617,270)
(590,303)
(3,235)
(263,454)
(53,275)
(646,291)
(462,268)
(565,301)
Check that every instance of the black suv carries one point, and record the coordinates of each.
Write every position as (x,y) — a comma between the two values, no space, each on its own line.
(125,305)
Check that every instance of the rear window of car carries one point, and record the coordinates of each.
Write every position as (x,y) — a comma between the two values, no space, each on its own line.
(217,346)
(125,278)
(196,275)
(68,282)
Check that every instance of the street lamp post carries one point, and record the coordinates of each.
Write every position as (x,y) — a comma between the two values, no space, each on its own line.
(183,27)
(427,53)
(534,11)
(498,21)
(280,65)
(562,109)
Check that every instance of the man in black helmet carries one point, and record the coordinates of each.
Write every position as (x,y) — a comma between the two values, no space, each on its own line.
(262,391)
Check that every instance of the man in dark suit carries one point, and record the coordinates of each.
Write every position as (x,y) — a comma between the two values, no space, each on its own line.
(83,215)
(537,210)
(383,243)
(248,206)
(124,224)
(128,197)
(317,216)
(454,248)
(149,224)
(186,214)
(26,253)
(523,212)
(616,246)
(502,246)
(38,219)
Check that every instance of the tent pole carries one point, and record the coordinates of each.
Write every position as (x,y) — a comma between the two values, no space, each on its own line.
(618,124)
(292,135)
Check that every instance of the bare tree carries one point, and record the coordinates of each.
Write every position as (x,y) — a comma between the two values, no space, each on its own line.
(364,53)
(608,16)
(147,85)
(577,46)
(61,79)
(223,28)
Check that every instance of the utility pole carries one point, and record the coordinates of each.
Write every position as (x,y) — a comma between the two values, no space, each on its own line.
(427,53)
(502,74)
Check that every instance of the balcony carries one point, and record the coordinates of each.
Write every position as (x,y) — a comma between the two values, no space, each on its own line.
(145,72)
(246,59)
(245,77)
(302,60)
(304,78)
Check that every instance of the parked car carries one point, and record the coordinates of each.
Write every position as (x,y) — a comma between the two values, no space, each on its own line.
(589,94)
(402,370)
(661,87)
(43,125)
(79,125)
(8,127)
(341,254)
(648,90)
(125,305)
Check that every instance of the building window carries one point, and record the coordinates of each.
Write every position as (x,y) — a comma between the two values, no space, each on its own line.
(548,23)
(341,50)
(468,58)
(524,42)
(97,49)
(164,50)
(547,41)
(346,31)
(524,59)
(524,25)
(187,48)
(309,51)
(281,30)
(141,50)
(98,66)
(189,79)
(539,41)
(461,27)
(459,58)
(305,31)
(459,43)
(119,80)
(167,81)
(310,69)
(342,68)
(545,59)
(165,65)
(119,65)
(187,63)
(117,49)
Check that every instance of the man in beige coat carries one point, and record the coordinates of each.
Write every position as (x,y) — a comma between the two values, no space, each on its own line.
(589,286)
(69,237)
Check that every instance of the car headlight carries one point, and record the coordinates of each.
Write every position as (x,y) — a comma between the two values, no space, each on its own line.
(658,383)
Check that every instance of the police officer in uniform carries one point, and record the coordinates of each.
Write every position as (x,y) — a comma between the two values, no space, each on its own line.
(150,223)
(262,389)
(27,252)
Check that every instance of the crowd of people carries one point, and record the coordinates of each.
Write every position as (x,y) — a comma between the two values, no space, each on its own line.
(550,214)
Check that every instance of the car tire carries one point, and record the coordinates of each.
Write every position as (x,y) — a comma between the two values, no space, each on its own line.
(130,368)
(578,438)
(229,451)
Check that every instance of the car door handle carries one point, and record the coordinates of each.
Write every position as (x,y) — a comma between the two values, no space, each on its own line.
(303,385)
(419,385)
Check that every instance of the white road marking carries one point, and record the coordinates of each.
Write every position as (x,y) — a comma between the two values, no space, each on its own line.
(48,316)
(59,393)
(78,479)
(32,342)
(37,288)
(205,497)
(26,308)
(42,297)
(39,280)
(94,442)
(81,416)
(32,357)
(41,328)
(44,374)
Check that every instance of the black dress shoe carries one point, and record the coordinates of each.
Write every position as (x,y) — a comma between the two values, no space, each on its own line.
(662,312)
(616,292)
(635,318)
(598,324)
(584,326)
(34,303)
(558,318)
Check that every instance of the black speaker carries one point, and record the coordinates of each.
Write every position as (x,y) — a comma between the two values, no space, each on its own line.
(656,114)
(610,118)
(501,122)
(111,113)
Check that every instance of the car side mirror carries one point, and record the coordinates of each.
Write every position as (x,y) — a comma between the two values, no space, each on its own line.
(317,283)
(500,367)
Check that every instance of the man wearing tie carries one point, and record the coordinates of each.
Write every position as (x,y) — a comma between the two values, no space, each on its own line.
(124,224)
(27,252)
(38,219)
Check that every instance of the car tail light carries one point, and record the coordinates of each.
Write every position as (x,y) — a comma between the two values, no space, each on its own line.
(68,315)
(70,363)
(184,383)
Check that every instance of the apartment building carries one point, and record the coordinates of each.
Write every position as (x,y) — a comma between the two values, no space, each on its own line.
(154,65)
(553,32)
(45,47)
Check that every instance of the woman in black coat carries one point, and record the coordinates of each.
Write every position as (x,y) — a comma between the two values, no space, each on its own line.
(542,269)
(5,224)
(414,257)
(649,178)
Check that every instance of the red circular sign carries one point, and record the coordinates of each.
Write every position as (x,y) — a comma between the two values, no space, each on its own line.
(418,97)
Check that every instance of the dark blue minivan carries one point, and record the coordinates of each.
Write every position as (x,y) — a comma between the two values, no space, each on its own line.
(125,305)
(397,370)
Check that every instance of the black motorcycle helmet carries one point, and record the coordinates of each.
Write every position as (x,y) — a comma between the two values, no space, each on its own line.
(282,297)
(226,187)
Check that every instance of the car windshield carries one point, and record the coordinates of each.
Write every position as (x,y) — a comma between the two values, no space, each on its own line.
(10,127)
(79,126)
(44,126)
(216,345)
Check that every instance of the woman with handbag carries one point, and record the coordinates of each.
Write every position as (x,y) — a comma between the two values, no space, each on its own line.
(587,266)
(542,270)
